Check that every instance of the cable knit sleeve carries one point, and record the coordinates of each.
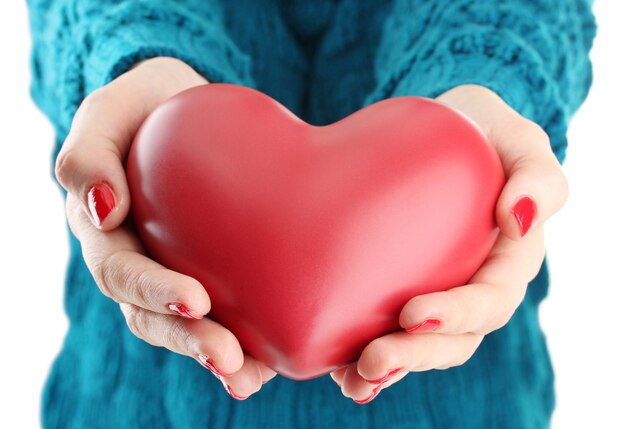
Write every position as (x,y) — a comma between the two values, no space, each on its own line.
(533,53)
(80,45)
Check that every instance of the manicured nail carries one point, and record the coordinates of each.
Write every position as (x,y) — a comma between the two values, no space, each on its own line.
(370,398)
(424,326)
(101,201)
(524,211)
(385,378)
(210,365)
(182,310)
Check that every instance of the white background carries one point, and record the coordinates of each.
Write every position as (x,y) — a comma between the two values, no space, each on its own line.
(583,316)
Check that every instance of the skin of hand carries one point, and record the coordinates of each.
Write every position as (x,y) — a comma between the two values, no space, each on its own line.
(444,329)
(162,307)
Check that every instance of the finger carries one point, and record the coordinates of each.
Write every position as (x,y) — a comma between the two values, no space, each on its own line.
(212,345)
(337,375)
(489,301)
(355,387)
(536,187)
(246,381)
(412,353)
(90,162)
(117,261)
(362,391)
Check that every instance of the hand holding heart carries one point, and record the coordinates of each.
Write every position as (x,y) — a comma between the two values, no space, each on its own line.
(162,307)
(444,329)
(154,298)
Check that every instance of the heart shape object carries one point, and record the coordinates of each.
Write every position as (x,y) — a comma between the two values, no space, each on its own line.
(310,239)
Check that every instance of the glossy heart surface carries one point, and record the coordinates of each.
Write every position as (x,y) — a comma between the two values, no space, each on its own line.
(310,239)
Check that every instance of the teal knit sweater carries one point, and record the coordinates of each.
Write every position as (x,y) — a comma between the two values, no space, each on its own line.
(323,60)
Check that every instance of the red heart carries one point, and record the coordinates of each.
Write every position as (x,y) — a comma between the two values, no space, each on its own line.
(309,240)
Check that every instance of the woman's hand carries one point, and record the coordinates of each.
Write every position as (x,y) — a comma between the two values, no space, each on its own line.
(444,329)
(162,307)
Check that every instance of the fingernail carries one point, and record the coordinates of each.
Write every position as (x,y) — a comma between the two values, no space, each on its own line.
(182,310)
(424,326)
(524,211)
(233,394)
(385,378)
(370,398)
(101,201)
(210,365)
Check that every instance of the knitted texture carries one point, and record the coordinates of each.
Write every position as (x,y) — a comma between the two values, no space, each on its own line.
(323,60)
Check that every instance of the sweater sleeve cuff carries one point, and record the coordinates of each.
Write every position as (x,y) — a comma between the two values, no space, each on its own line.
(132,33)
(498,60)
(105,47)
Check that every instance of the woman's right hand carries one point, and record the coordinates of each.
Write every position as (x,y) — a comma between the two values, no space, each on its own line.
(162,307)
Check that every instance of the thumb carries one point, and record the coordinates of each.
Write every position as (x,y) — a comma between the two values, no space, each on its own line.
(536,187)
(90,163)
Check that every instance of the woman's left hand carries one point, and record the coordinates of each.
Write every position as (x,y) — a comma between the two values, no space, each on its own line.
(444,329)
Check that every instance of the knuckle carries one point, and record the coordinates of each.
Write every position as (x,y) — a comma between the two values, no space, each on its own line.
(142,286)
(178,335)
(91,101)
(119,279)
(66,165)
(134,321)
(105,273)
(99,273)
(123,277)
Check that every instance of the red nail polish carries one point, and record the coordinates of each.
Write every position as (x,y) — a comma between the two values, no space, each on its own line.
(210,365)
(385,378)
(524,211)
(425,326)
(101,201)
(370,398)
(182,311)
